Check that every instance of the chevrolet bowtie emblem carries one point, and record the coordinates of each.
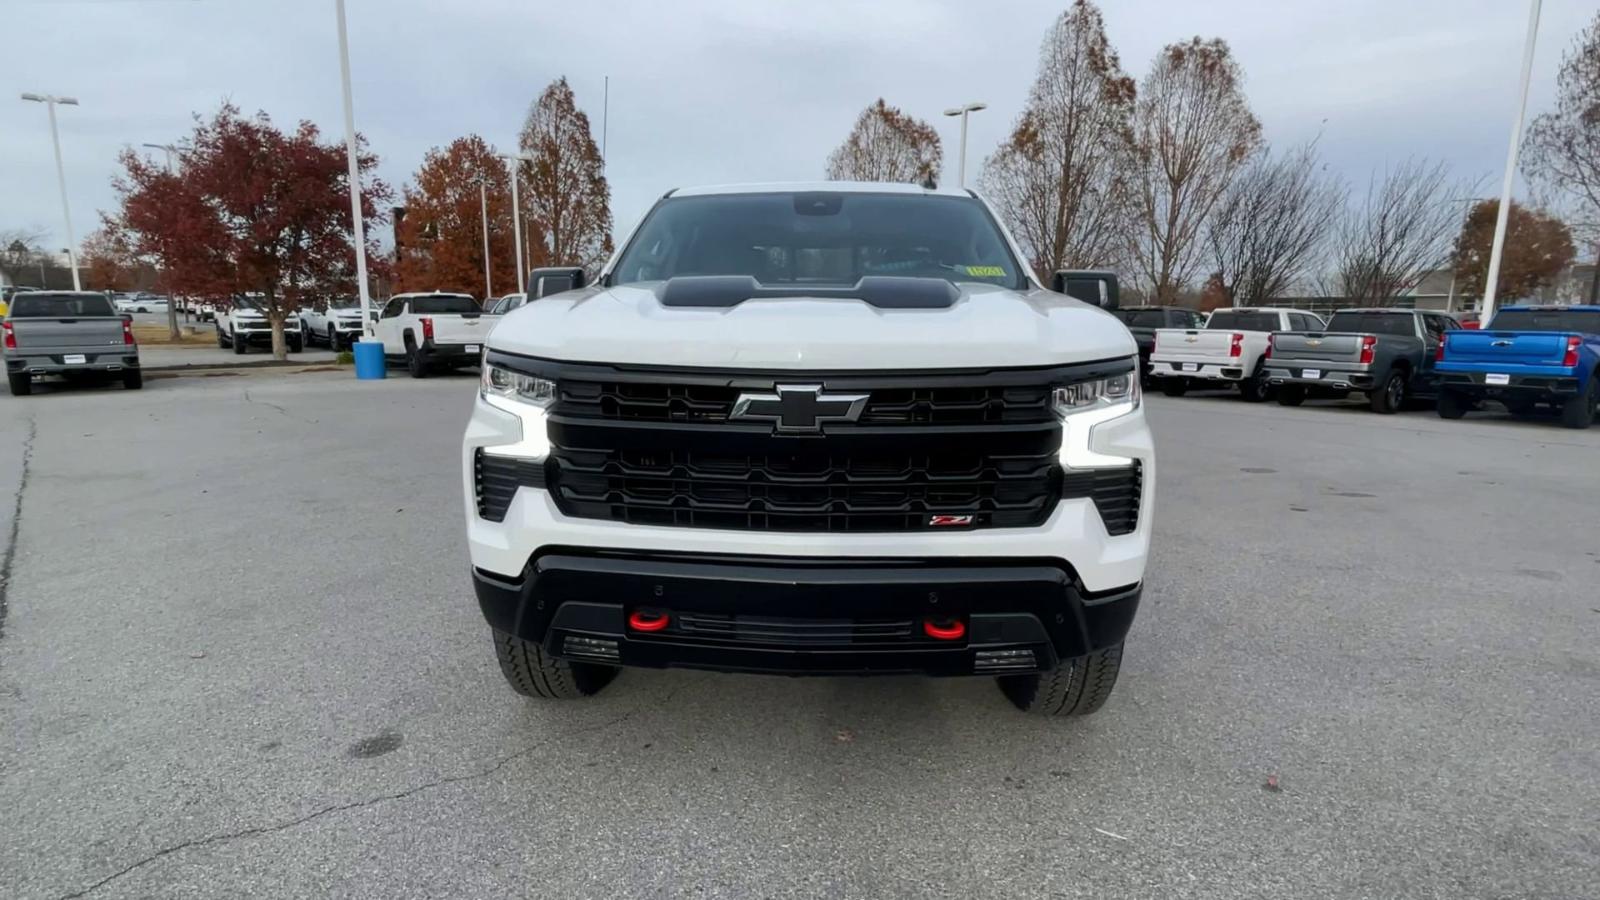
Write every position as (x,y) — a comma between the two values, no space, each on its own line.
(799,408)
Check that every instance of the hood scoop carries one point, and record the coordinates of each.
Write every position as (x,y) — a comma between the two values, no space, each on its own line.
(881,291)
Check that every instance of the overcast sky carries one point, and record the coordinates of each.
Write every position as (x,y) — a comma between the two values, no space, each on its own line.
(711,91)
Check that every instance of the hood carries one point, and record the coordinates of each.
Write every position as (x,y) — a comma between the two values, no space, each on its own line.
(986,327)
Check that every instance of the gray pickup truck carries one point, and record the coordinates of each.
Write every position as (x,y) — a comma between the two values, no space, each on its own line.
(67,333)
(1387,354)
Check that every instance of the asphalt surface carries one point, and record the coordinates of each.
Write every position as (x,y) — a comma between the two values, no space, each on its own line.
(240,657)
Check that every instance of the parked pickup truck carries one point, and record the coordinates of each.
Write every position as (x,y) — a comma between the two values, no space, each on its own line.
(336,323)
(1144,320)
(428,331)
(1527,355)
(1229,350)
(67,333)
(243,323)
(1386,354)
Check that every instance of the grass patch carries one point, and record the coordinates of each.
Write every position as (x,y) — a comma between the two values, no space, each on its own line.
(345,358)
(146,333)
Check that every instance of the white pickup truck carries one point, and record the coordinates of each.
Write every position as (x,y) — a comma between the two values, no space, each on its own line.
(1229,350)
(433,330)
(241,323)
(336,323)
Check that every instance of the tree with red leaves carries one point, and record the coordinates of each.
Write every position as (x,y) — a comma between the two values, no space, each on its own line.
(251,209)
(441,236)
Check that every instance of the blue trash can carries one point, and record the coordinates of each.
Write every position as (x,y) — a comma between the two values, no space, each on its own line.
(369,359)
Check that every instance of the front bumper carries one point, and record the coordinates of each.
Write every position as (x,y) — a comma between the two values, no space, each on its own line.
(94,360)
(1551,388)
(1202,371)
(1331,376)
(805,615)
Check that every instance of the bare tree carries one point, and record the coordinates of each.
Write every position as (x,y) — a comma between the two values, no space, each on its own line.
(19,251)
(1056,179)
(1402,230)
(887,145)
(567,189)
(1270,224)
(1192,132)
(1563,154)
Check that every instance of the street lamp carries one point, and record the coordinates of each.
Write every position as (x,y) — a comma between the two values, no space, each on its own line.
(367,334)
(483,203)
(172,305)
(1502,219)
(516,210)
(51,101)
(169,148)
(963,111)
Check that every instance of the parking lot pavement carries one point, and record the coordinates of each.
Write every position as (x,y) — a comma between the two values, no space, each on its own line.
(240,658)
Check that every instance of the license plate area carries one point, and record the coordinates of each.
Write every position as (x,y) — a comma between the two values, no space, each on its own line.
(474,348)
(1310,373)
(1496,379)
(1191,367)
(74,359)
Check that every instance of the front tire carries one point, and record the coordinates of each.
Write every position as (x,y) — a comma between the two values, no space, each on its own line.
(1077,687)
(1255,389)
(1389,396)
(1451,404)
(1174,387)
(1579,412)
(416,365)
(132,379)
(238,345)
(21,384)
(532,672)
(295,344)
(1291,395)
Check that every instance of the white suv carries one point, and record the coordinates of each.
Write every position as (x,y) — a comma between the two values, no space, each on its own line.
(826,428)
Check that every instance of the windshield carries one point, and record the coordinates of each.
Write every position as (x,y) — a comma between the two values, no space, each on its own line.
(1583,321)
(55,306)
(1142,318)
(1236,320)
(820,238)
(1373,323)
(444,304)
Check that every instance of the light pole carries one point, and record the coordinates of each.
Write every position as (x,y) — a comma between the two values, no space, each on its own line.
(1511,170)
(516,210)
(172,302)
(50,101)
(483,203)
(355,180)
(963,111)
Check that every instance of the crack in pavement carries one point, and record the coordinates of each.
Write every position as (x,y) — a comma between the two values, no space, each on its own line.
(344,807)
(10,555)
(286,414)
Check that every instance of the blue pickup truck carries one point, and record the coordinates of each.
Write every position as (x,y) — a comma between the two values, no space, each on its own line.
(1528,355)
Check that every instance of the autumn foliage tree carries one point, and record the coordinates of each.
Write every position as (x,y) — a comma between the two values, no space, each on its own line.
(1538,247)
(108,264)
(441,236)
(565,182)
(1192,132)
(251,208)
(1057,179)
(887,145)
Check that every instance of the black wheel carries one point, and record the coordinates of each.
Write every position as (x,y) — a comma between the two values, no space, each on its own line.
(1291,395)
(1174,387)
(1452,405)
(1255,389)
(416,364)
(238,345)
(21,384)
(1389,396)
(1579,412)
(1077,687)
(296,344)
(220,342)
(132,379)
(333,339)
(532,672)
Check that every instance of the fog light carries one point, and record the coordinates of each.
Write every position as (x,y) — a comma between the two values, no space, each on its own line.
(991,660)
(590,648)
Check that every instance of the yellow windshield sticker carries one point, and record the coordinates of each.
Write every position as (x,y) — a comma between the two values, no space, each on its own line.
(986,271)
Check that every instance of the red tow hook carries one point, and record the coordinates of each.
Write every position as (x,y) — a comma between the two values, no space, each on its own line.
(648,620)
(944,629)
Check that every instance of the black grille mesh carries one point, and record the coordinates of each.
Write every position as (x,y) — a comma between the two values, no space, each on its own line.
(496,479)
(943,405)
(1116,493)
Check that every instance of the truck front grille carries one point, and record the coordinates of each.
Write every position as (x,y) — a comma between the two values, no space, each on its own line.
(713,403)
(1116,493)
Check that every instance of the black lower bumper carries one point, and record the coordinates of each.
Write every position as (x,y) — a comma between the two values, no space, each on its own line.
(452,354)
(1524,388)
(806,616)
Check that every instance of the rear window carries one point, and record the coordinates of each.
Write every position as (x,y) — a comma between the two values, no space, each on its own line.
(1142,318)
(58,306)
(444,305)
(1234,320)
(1583,321)
(1373,323)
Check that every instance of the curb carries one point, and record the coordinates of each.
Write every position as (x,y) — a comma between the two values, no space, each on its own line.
(260,364)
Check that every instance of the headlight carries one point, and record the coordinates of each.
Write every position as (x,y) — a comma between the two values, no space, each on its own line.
(1084,405)
(1101,393)
(524,396)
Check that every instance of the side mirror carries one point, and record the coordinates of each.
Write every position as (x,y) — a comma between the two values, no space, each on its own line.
(1097,288)
(554,280)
